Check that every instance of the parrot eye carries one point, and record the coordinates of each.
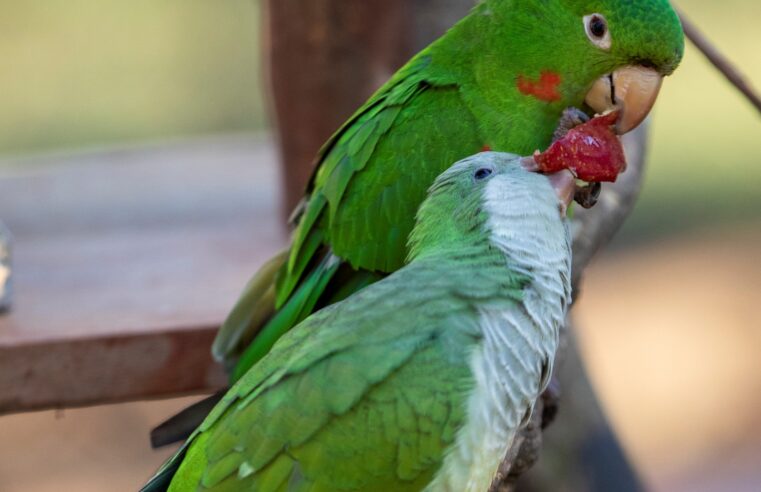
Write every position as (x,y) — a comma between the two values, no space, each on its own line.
(482,173)
(596,28)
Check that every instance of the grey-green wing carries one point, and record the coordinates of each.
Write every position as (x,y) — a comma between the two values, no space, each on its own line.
(383,376)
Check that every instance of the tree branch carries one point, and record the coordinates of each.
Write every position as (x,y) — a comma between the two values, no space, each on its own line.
(719,61)
(592,229)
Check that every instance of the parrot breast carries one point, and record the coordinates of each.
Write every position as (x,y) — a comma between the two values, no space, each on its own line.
(513,363)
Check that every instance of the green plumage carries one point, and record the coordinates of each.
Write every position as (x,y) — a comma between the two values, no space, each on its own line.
(368,393)
(456,97)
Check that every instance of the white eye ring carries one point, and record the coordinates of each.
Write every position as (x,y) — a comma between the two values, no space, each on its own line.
(597,30)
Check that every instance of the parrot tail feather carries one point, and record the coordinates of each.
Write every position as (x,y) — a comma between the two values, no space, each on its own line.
(254,307)
(163,478)
(179,427)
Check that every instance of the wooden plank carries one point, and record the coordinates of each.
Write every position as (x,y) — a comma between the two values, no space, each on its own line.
(125,263)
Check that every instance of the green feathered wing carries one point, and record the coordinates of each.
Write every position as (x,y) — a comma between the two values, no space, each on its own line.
(365,394)
(501,77)
(371,177)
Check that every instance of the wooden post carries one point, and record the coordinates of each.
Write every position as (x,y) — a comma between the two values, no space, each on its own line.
(326,57)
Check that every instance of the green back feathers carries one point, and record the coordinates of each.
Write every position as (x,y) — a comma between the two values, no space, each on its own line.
(368,393)
(499,79)
(456,97)
(350,159)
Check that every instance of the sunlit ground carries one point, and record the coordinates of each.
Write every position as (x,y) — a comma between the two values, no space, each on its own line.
(669,318)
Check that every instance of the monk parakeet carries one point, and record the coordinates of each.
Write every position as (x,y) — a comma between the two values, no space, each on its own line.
(499,79)
(421,380)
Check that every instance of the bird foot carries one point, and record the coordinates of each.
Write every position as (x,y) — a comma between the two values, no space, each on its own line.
(528,443)
(550,402)
(571,118)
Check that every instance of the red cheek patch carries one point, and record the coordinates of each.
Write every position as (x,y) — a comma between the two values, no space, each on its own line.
(544,89)
(486,148)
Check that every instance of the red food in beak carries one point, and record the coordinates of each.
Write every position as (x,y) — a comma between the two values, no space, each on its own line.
(592,151)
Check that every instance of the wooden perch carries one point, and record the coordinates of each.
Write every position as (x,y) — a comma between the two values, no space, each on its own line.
(125,263)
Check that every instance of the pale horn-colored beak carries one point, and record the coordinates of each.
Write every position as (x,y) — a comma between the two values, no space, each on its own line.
(632,90)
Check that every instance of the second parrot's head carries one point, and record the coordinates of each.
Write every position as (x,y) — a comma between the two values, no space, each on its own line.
(604,53)
(494,197)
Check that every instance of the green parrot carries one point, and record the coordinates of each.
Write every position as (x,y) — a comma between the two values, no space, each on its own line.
(421,380)
(500,80)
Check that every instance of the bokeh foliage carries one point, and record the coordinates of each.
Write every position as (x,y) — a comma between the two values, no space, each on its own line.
(77,73)
(705,159)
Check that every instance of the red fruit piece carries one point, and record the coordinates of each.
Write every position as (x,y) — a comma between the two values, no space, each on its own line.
(591,150)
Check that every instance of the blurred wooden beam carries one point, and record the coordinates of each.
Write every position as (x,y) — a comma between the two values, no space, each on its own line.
(326,57)
(125,263)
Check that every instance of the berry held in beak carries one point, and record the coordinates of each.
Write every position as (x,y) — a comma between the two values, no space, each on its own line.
(592,151)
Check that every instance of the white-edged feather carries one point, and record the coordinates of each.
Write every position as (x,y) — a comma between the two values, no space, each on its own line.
(513,363)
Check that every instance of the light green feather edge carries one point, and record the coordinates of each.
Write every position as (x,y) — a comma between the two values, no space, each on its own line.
(255,305)
(344,154)
(334,376)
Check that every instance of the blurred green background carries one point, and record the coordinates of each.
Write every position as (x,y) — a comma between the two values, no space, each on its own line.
(81,74)
(671,311)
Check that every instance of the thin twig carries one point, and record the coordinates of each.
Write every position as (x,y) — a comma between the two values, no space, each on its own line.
(719,61)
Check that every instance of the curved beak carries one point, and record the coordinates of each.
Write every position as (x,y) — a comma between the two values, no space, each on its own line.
(632,90)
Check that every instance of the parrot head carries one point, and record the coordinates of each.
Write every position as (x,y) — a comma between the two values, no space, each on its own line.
(488,191)
(607,54)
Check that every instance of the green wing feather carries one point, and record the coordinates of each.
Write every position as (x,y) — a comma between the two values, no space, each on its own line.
(363,195)
(382,375)
(253,309)
(344,153)
(299,306)
(377,209)
(364,157)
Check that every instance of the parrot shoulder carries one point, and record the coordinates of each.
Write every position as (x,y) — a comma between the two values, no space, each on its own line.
(345,154)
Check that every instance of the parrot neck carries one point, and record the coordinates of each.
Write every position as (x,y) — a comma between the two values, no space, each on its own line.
(534,238)
(513,363)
